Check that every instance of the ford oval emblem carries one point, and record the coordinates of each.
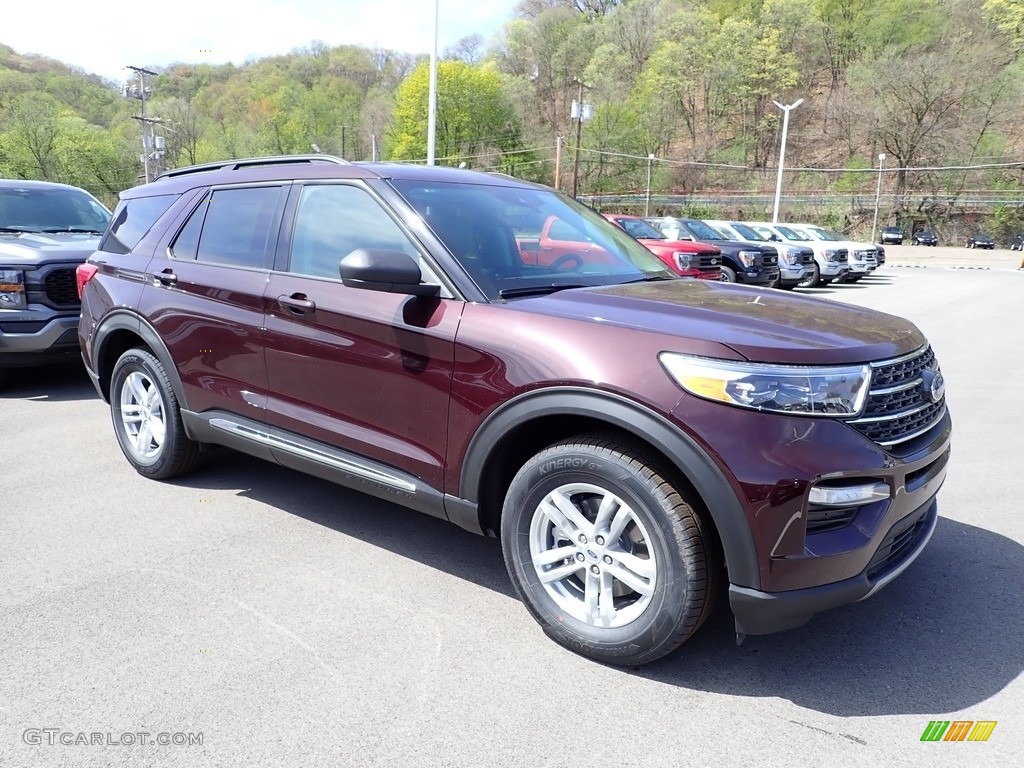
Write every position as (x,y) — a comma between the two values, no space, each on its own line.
(933,385)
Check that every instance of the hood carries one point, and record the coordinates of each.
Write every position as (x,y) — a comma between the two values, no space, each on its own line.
(763,325)
(686,246)
(34,248)
(735,246)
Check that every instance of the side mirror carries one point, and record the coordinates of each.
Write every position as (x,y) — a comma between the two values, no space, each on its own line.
(381,269)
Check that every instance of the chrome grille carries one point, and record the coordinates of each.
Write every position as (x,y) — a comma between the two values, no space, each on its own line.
(898,409)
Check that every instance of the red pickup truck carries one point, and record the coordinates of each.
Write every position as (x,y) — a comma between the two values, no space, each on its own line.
(688,258)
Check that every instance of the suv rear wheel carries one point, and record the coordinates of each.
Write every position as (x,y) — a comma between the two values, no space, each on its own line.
(607,555)
(147,420)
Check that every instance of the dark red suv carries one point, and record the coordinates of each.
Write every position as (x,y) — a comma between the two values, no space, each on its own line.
(633,438)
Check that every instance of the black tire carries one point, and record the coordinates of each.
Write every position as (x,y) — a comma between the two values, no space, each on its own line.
(664,534)
(140,377)
(852,278)
(813,280)
(728,274)
(566,258)
(3,377)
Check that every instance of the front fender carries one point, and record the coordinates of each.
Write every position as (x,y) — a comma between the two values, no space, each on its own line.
(647,426)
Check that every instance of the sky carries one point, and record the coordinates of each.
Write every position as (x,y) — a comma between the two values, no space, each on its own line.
(103,36)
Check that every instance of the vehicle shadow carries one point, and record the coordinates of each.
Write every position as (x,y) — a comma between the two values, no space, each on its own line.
(943,637)
(59,382)
(411,534)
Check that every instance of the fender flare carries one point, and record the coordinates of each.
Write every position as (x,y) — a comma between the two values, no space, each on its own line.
(650,427)
(124,320)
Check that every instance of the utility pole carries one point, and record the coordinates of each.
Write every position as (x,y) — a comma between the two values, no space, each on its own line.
(343,142)
(581,112)
(559,140)
(373,147)
(147,141)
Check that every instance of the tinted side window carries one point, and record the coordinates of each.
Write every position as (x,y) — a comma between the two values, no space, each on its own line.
(237,230)
(186,244)
(333,220)
(132,220)
(561,231)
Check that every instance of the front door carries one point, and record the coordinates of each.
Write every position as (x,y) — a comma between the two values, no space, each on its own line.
(363,371)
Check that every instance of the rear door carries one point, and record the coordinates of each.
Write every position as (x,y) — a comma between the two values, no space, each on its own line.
(358,371)
(205,291)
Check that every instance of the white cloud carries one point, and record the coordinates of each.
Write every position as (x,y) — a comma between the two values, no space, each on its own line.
(105,35)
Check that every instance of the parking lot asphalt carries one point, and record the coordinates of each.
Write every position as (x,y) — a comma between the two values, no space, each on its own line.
(294,623)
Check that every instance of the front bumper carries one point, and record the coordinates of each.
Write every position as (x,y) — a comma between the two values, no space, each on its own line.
(792,275)
(762,613)
(55,340)
(833,269)
(758,275)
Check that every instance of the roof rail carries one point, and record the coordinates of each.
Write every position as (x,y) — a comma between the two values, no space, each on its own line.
(252,162)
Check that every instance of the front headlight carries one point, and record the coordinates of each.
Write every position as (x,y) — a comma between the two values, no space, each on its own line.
(809,391)
(12,289)
(748,258)
(831,254)
(789,257)
(681,259)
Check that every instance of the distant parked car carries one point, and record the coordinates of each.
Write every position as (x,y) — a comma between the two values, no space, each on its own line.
(924,237)
(686,257)
(893,236)
(981,240)
(1018,242)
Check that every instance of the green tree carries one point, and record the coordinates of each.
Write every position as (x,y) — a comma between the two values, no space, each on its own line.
(473,115)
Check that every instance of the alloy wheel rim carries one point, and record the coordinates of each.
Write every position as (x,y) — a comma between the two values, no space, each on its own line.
(143,416)
(593,555)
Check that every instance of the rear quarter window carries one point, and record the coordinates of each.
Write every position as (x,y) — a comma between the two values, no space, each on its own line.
(133,218)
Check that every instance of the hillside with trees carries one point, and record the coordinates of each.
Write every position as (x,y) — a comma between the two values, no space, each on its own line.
(935,85)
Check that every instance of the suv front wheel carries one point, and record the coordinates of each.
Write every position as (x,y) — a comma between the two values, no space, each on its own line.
(606,553)
(147,420)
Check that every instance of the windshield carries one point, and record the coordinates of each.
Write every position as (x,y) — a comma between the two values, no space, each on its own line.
(54,209)
(749,233)
(639,228)
(513,240)
(824,234)
(702,231)
(792,234)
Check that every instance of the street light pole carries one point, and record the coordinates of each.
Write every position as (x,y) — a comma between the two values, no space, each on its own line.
(782,153)
(878,194)
(432,98)
(647,205)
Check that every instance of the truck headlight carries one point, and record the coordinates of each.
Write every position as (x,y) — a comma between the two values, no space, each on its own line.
(748,258)
(682,260)
(830,255)
(838,391)
(12,289)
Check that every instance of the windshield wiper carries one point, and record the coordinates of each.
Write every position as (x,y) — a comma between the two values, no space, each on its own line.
(16,229)
(538,290)
(72,230)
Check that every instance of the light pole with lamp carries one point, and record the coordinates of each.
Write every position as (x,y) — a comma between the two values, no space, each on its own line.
(878,194)
(782,153)
(432,94)
(647,205)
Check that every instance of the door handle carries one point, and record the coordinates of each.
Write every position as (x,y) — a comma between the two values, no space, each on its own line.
(167,278)
(297,303)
